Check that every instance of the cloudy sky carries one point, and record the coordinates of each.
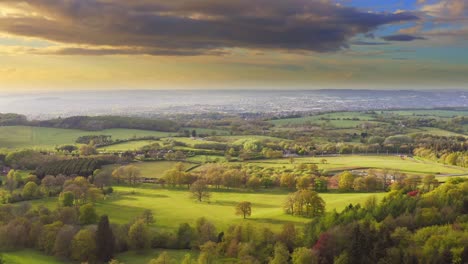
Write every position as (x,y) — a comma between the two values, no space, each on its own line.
(185,44)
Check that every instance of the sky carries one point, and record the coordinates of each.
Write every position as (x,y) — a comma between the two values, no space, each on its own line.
(233,44)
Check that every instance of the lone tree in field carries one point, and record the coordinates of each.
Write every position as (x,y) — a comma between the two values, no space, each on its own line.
(244,209)
(200,191)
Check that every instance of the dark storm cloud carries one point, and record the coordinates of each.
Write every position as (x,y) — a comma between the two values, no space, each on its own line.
(402,37)
(190,27)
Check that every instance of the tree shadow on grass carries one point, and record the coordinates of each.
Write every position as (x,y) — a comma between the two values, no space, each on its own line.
(272,221)
(234,203)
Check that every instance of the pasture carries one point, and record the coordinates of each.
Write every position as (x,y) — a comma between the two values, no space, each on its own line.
(350,162)
(171,207)
(436,131)
(127,146)
(48,138)
(340,120)
(28,256)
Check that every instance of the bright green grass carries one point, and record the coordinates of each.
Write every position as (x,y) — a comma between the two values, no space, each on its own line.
(29,256)
(436,131)
(173,207)
(154,169)
(133,257)
(206,158)
(240,140)
(42,137)
(192,142)
(127,146)
(336,123)
(408,165)
(331,123)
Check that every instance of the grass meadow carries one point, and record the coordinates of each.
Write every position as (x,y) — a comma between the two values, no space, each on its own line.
(349,162)
(171,207)
(47,138)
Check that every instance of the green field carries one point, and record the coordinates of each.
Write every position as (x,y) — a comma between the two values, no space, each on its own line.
(239,140)
(28,256)
(154,169)
(436,131)
(173,207)
(42,137)
(349,162)
(316,120)
(127,146)
(192,142)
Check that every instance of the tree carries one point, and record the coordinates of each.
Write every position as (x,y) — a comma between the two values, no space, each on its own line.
(303,255)
(206,231)
(288,236)
(68,215)
(254,183)
(185,235)
(11,181)
(102,178)
(429,182)
(208,253)
(84,246)
(303,183)
(412,181)
(147,216)
(288,180)
(305,203)
(187,259)
(67,198)
(30,190)
(88,214)
(281,254)
(244,209)
(48,234)
(345,181)
(138,235)
(199,190)
(163,258)
(51,185)
(129,173)
(87,150)
(105,240)
(63,241)
(176,175)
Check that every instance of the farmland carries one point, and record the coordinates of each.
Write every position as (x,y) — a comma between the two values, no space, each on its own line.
(48,138)
(172,207)
(349,162)
(292,177)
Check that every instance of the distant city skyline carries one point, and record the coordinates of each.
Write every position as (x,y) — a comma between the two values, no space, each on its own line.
(244,44)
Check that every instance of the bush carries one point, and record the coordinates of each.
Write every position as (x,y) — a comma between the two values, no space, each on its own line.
(88,214)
